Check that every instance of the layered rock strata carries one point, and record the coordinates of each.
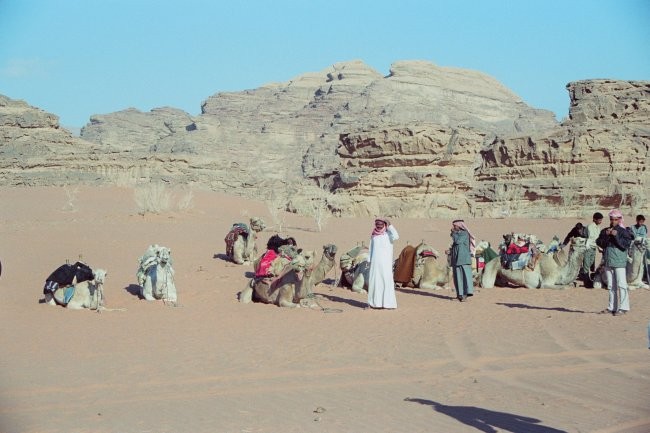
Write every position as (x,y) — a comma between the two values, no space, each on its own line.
(421,141)
(597,159)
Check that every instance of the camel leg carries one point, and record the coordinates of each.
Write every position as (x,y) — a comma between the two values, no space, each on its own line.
(171,294)
(429,286)
(285,297)
(147,290)
(287,304)
(75,305)
(238,250)
(489,275)
(552,286)
(359,282)
(246,295)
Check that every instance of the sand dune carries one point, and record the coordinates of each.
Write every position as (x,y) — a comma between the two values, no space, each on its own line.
(512,360)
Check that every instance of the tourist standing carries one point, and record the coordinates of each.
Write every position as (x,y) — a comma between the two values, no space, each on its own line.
(381,287)
(462,248)
(615,240)
(593,230)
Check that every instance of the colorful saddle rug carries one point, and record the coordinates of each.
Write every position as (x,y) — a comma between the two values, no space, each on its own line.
(237,230)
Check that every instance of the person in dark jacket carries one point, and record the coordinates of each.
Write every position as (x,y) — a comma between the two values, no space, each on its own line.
(615,240)
(462,248)
(578,231)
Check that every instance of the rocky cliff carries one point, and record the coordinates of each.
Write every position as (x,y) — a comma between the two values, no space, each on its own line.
(423,140)
(597,159)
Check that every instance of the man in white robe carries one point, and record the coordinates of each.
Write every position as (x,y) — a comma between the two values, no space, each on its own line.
(381,287)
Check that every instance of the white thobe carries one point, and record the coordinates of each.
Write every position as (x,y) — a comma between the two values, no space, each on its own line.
(381,287)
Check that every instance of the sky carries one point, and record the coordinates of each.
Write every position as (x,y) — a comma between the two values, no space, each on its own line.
(76,58)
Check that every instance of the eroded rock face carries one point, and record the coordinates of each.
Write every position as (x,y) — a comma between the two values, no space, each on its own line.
(286,132)
(609,101)
(34,150)
(422,141)
(597,159)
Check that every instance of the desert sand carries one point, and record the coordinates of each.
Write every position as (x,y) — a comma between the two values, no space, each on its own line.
(508,360)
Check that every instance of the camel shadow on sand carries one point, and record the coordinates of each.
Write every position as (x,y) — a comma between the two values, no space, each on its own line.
(223,257)
(351,302)
(488,421)
(134,289)
(424,293)
(535,307)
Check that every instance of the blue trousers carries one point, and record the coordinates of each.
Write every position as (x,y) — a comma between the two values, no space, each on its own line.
(463,280)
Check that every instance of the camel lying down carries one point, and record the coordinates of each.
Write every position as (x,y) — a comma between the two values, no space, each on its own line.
(156,275)
(86,294)
(293,278)
(241,240)
(550,271)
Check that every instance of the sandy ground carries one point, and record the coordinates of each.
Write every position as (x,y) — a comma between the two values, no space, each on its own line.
(512,360)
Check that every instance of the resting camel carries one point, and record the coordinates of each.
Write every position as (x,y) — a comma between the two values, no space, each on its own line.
(355,267)
(294,276)
(551,271)
(636,263)
(156,275)
(316,274)
(241,245)
(426,270)
(86,294)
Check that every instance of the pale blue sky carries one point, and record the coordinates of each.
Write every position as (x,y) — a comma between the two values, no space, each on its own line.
(84,57)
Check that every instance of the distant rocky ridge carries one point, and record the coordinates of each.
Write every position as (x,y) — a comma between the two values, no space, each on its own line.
(422,141)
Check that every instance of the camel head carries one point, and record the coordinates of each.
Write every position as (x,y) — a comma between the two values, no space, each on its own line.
(640,243)
(300,263)
(99,276)
(329,251)
(257,224)
(164,255)
(578,244)
(310,258)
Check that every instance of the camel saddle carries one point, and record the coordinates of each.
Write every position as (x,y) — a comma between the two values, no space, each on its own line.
(67,275)
(238,229)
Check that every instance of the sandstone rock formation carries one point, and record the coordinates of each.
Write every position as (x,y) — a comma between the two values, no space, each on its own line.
(34,150)
(597,159)
(422,141)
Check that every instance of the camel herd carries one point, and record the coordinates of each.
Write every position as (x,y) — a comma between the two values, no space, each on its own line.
(294,273)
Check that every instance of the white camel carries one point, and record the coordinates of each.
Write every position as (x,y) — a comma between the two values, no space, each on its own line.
(156,275)
(86,294)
